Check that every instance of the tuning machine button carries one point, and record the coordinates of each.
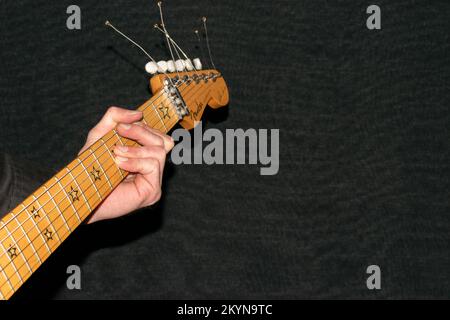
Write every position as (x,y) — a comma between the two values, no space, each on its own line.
(197,64)
(162,66)
(179,65)
(189,65)
(151,67)
(171,66)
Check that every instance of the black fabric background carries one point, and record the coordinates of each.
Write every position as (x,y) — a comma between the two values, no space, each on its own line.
(364,157)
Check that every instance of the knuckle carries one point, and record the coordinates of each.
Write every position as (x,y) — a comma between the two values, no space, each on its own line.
(111,110)
(92,133)
(159,141)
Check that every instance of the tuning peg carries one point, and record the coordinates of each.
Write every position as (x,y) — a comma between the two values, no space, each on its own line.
(151,67)
(197,64)
(179,65)
(162,66)
(171,66)
(189,65)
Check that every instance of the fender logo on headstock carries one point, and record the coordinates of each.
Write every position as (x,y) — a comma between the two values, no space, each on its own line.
(194,115)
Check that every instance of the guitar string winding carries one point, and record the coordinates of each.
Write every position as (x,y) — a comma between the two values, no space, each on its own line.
(166,33)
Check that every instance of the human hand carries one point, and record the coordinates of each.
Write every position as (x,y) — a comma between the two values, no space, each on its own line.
(145,162)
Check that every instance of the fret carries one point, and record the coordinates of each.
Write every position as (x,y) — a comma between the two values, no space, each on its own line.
(4,275)
(12,238)
(110,160)
(110,140)
(119,138)
(102,169)
(159,116)
(48,200)
(34,212)
(93,176)
(45,223)
(96,173)
(16,252)
(10,252)
(26,233)
(82,191)
(70,197)
(64,206)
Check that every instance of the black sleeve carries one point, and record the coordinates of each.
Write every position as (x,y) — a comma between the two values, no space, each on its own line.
(18,179)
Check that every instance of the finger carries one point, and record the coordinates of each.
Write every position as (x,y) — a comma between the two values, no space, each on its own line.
(156,152)
(144,166)
(142,152)
(138,133)
(147,167)
(168,140)
(112,117)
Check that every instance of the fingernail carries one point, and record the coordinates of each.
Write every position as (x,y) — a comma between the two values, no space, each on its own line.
(135,112)
(122,149)
(125,126)
(121,159)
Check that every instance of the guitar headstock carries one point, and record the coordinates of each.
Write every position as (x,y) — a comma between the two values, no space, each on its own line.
(187,88)
(196,89)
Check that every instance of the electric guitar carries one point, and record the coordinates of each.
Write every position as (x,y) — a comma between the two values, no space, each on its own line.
(31,232)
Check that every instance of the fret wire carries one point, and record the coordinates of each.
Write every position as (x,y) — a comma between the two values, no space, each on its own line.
(81,191)
(101,167)
(16,245)
(117,135)
(156,111)
(111,155)
(89,175)
(50,225)
(68,198)
(28,239)
(11,261)
(34,222)
(8,280)
(26,234)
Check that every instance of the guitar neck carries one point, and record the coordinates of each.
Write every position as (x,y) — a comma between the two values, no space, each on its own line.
(31,232)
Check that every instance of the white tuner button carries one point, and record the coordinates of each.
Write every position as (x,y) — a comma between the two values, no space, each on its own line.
(179,64)
(171,66)
(162,66)
(189,65)
(197,64)
(151,67)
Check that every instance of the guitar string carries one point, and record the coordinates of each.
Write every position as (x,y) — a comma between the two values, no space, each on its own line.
(51,221)
(158,121)
(26,261)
